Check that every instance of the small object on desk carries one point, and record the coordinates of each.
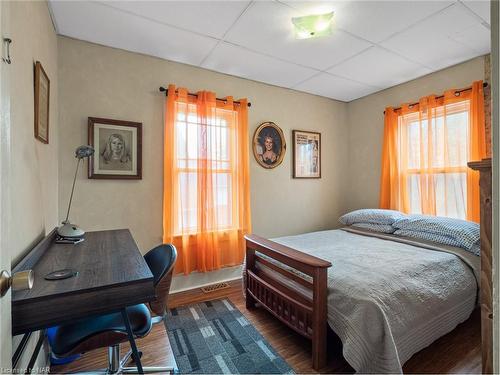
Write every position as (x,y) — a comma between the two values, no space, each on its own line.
(69,240)
(61,274)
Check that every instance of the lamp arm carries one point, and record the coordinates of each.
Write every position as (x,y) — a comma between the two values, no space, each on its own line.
(72,190)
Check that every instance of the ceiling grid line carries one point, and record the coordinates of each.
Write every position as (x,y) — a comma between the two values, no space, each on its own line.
(418,22)
(219,40)
(367,52)
(152,19)
(484,22)
(250,3)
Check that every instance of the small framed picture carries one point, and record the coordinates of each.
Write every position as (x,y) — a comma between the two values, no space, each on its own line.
(42,96)
(269,145)
(306,154)
(118,149)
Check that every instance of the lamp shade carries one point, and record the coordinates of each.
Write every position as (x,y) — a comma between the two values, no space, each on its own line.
(84,152)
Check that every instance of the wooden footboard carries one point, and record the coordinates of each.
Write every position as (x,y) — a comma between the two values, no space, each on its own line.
(299,302)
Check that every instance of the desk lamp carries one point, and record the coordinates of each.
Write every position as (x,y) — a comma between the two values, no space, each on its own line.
(68,231)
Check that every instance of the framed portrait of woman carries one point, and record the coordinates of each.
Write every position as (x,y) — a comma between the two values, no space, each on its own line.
(269,145)
(118,149)
(306,154)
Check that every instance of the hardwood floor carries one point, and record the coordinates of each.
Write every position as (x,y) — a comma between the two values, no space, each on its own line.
(457,352)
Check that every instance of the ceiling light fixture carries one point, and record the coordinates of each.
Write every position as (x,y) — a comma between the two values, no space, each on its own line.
(313,26)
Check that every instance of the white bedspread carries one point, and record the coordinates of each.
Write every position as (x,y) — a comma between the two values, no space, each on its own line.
(388,300)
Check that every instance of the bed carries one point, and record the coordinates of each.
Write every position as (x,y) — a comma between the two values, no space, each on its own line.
(385,296)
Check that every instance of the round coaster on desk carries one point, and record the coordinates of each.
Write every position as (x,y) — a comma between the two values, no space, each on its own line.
(61,274)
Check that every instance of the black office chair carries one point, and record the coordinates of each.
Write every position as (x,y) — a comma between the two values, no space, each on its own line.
(109,330)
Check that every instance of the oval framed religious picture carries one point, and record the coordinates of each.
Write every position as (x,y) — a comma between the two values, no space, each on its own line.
(269,145)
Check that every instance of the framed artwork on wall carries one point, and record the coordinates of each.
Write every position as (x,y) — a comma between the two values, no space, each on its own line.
(42,101)
(118,149)
(306,154)
(269,145)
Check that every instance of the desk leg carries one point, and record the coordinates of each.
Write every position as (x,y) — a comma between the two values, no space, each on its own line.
(135,353)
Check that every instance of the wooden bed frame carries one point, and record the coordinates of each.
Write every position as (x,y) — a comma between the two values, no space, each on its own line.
(297,302)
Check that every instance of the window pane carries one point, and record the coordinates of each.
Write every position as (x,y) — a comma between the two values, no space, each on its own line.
(435,153)
(451,194)
(222,198)
(188,185)
(456,139)
(414,197)
(204,148)
(413,145)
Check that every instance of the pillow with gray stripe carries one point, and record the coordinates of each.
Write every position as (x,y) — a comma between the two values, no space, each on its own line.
(464,233)
(382,228)
(437,238)
(371,215)
(427,236)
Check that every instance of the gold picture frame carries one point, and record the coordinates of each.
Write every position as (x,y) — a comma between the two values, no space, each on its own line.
(269,145)
(42,102)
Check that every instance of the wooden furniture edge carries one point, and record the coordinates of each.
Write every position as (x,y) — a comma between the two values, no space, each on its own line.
(270,247)
(30,260)
(486,291)
(480,165)
(292,312)
(34,255)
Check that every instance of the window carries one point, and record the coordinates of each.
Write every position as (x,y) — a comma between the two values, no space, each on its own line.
(206,184)
(426,148)
(434,154)
(204,146)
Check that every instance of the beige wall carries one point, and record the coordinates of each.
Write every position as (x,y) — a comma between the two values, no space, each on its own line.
(106,82)
(34,172)
(366,125)
(34,169)
(111,83)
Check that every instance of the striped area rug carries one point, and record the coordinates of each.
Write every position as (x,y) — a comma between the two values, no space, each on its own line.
(215,338)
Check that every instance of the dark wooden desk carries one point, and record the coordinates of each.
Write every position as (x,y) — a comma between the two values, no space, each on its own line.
(112,274)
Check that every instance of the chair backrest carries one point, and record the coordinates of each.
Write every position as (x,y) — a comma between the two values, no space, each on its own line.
(161,262)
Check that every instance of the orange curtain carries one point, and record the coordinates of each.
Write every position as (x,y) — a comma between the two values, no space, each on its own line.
(206,199)
(389,190)
(425,153)
(477,148)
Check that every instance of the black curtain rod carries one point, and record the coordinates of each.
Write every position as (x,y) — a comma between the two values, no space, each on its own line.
(485,84)
(165,90)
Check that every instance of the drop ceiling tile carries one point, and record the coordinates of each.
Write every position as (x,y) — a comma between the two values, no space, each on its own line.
(267,27)
(237,61)
(476,37)
(429,33)
(480,7)
(379,67)
(325,84)
(430,43)
(211,18)
(101,24)
(373,20)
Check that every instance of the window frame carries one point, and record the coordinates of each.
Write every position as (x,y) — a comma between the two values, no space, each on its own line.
(445,109)
(230,171)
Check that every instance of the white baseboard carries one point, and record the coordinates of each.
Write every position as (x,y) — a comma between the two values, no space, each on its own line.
(181,283)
